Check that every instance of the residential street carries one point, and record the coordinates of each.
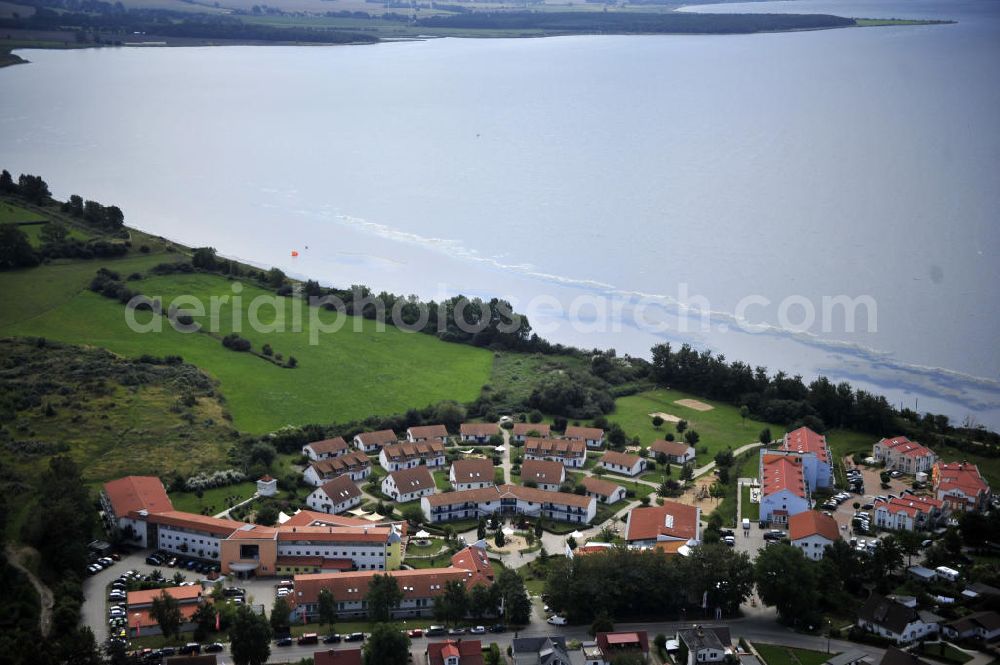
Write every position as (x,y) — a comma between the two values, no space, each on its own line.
(757,628)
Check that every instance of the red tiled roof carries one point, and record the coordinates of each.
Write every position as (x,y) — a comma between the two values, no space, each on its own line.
(337,657)
(380,438)
(472,470)
(408,451)
(313,518)
(468,652)
(202,523)
(556,447)
(326,534)
(599,486)
(612,642)
(315,562)
(911,505)
(543,471)
(328,445)
(903,445)
(144,617)
(474,559)
(671,448)
(428,431)
(340,489)
(804,440)
(498,492)
(783,472)
(479,429)
(626,460)
(338,465)
(182,594)
(962,476)
(523,429)
(671,520)
(353,585)
(134,493)
(254,532)
(586,433)
(812,522)
(417,479)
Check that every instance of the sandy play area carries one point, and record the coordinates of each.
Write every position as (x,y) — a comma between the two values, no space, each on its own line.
(667,417)
(694,404)
(513,543)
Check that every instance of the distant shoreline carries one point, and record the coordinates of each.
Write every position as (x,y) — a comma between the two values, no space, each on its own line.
(478,25)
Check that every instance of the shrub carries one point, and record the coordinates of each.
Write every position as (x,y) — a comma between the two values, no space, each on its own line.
(235,342)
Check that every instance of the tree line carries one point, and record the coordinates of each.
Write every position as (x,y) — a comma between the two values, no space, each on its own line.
(635,22)
(106,23)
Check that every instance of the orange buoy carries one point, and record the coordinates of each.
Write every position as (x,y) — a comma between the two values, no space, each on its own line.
(294,253)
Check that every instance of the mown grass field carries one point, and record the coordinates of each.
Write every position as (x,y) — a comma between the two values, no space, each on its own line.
(720,428)
(12,214)
(356,372)
(782,655)
(213,501)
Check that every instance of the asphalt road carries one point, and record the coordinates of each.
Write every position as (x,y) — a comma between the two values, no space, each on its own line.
(754,629)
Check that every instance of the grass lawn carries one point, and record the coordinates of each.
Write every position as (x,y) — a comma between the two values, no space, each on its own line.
(720,428)
(425,550)
(747,509)
(214,500)
(12,214)
(441,480)
(946,652)
(498,476)
(442,560)
(347,375)
(606,511)
(34,292)
(781,655)
(747,466)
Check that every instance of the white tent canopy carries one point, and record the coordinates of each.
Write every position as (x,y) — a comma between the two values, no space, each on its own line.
(507,531)
(576,535)
(421,534)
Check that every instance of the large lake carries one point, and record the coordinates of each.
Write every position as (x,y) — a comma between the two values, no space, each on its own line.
(856,162)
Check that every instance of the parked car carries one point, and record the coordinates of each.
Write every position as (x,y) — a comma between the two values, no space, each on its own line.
(457,631)
(478,630)
(285,641)
(214,647)
(557,620)
(190,649)
(308,638)
(416,632)
(355,637)
(498,628)
(332,638)
(435,630)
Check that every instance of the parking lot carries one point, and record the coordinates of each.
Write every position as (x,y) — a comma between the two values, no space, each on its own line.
(96,604)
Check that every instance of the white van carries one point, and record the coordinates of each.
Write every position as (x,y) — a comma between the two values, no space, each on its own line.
(947,573)
(746,524)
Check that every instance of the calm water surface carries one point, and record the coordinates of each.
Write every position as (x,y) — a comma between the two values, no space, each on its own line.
(853,162)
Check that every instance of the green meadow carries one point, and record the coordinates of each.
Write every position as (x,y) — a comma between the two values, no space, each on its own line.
(718,429)
(14,214)
(350,374)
